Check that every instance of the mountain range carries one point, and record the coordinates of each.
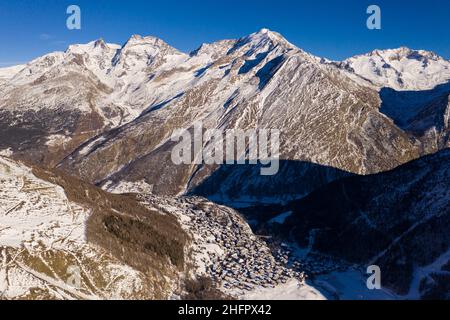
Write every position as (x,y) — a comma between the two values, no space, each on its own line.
(368,134)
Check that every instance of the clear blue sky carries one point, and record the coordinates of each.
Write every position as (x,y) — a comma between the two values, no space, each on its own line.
(335,29)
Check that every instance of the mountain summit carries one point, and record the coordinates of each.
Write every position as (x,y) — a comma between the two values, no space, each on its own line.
(118,105)
(367,134)
(401,69)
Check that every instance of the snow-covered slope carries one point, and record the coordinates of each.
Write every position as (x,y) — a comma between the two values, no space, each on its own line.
(259,81)
(79,93)
(44,247)
(106,112)
(10,72)
(414,88)
(401,69)
(28,202)
(52,247)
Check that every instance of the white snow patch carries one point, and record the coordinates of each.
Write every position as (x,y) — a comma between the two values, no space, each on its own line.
(34,211)
(89,146)
(131,187)
(6,152)
(280,219)
(57,140)
(292,290)
(10,72)
(36,217)
(350,285)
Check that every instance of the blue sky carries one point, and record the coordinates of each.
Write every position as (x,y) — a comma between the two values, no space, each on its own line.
(335,29)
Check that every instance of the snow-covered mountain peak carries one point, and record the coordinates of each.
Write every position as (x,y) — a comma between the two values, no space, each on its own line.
(147,43)
(10,72)
(405,53)
(401,69)
(93,47)
(137,39)
(214,49)
(100,43)
(260,42)
(266,34)
(141,51)
(257,42)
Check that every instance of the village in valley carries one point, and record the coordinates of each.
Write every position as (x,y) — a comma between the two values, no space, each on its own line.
(225,249)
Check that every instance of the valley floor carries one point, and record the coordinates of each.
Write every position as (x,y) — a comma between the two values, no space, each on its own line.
(225,249)
(42,239)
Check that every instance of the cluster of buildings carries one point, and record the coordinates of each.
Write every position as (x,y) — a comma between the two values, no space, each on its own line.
(225,248)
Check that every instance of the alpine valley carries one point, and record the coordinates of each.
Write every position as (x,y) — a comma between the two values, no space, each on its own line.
(88,184)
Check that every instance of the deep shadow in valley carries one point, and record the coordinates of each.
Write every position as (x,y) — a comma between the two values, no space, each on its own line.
(399,220)
(407,108)
(244,184)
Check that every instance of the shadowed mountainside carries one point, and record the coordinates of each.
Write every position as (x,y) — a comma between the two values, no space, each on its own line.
(233,184)
(399,220)
(425,114)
